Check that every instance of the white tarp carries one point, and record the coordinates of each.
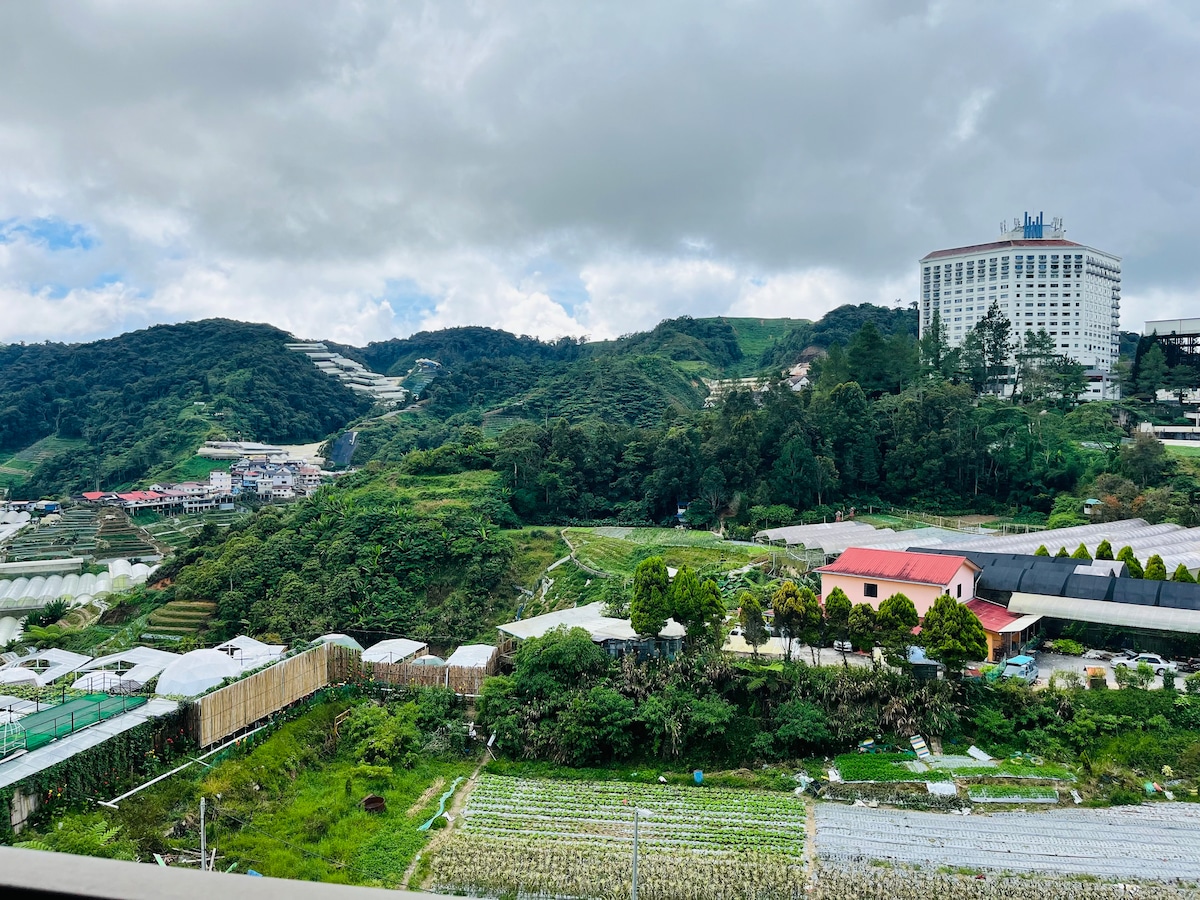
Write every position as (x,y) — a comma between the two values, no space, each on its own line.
(196,672)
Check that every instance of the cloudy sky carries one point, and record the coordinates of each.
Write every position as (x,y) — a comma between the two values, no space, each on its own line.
(360,170)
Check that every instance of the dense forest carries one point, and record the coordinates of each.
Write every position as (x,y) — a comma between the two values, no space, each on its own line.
(145,399)
(888,419)
(377,552)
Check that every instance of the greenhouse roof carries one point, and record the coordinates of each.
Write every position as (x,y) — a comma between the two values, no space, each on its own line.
(393,651)
(591,618)
(1107,612)
(472,656)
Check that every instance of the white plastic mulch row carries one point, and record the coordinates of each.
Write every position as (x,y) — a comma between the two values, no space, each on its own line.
(1158,841)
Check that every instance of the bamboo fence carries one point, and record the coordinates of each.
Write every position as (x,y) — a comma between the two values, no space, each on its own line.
(241,704)
(463,680)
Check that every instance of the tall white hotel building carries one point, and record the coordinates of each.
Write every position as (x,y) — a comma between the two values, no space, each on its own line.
(1040,280)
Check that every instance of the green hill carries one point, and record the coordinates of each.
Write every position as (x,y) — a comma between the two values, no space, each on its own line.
(77,416)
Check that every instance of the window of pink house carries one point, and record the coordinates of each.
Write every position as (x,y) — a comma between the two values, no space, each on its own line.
(870,590)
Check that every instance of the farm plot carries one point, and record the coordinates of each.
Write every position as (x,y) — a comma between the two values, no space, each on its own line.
(1157,841)
(575,839)
(598,550)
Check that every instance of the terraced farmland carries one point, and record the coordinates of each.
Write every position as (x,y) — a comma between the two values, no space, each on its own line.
(181,618)
(73,535)
(119,538)
(18,467)
(570,838)
(175,531)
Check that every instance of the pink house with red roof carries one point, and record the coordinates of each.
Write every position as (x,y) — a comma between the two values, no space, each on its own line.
(871,576)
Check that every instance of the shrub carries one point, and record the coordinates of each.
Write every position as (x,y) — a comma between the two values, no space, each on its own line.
(1124,797)
(1191,683)
(381,737)
(1067,647)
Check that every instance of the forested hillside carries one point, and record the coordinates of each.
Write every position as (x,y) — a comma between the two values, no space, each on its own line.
(130,404)
(376,552)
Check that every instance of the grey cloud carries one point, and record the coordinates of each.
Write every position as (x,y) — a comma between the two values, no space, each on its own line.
(784,137)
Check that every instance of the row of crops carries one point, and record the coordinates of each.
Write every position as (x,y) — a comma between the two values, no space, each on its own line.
(175,531)
(571,838)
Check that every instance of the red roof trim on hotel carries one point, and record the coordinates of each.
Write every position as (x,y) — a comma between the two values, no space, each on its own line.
(1001,245)
(898,565)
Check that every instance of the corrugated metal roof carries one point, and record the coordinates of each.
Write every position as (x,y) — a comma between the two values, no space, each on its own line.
(1105,612)
(898,565)
(992,616)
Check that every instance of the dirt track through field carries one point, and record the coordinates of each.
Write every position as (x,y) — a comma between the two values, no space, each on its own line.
(453,813)
(430,791)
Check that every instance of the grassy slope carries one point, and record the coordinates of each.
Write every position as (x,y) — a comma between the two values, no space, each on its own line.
(288,810)
(601,550)
(754,336)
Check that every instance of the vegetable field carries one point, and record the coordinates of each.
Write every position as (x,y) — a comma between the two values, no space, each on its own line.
(576,839)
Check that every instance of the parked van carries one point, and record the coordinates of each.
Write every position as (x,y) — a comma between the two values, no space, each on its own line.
(1021,667)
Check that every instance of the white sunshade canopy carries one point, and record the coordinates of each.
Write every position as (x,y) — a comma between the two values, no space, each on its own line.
(196,672)
(18,676)
(1106,612)
(46,667)
(394,651)
(146,660)
(591,618)
(250,653)
(108,682)
(342,640)
(472,656)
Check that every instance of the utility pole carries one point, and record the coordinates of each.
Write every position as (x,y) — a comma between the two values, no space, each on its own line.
(633,895)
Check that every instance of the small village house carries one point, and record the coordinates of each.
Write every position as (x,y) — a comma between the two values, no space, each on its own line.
(871,576)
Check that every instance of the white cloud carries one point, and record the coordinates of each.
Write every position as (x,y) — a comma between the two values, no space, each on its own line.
(679,159)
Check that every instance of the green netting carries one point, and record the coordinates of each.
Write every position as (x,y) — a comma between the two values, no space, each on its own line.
(40,728)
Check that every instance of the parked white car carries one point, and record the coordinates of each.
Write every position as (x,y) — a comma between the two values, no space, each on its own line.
(1153,660)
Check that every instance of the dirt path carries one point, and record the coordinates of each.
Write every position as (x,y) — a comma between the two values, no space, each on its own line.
(437,785)
(453,811)
(575,559)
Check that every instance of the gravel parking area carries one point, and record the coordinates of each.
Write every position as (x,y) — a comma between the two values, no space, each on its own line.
(1049,663)
(1157,841)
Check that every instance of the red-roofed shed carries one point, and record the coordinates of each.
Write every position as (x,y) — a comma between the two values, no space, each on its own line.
(871,576)
(1006,631)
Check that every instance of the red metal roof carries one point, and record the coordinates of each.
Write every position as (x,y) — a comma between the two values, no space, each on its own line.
(94,495)
(992,616)
(1001,245)
(898,565)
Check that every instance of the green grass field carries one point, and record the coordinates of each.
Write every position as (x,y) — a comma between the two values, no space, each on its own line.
(754,336)
(1189,452)
(618,551)
(289,807)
